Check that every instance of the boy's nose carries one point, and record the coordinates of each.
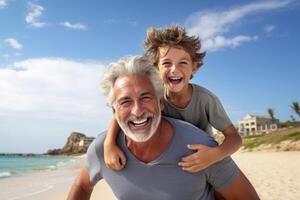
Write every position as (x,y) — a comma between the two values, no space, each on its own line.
(173,68)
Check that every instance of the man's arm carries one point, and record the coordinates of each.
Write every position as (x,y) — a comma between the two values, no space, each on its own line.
(239,189)
(82,188)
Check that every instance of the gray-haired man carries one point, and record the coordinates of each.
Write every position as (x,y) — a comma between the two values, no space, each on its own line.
(153,146)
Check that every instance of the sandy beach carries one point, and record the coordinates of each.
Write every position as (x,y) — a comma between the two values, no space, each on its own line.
(275,175)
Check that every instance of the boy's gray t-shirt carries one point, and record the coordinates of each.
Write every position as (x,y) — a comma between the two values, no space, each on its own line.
(162,179)
(204,110)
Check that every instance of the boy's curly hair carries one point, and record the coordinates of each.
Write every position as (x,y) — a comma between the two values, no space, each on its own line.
(173,36)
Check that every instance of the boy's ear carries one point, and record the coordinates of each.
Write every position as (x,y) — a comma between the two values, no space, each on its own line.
(196,66)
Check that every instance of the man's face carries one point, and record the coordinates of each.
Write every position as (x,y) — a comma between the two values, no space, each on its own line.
(136,107)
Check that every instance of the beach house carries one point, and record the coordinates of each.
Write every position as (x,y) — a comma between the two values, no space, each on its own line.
(254,125)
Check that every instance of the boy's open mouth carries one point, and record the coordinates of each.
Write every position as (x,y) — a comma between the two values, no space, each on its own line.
(175,80)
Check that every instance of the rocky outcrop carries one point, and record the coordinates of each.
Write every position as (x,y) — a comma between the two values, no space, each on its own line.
(77,143)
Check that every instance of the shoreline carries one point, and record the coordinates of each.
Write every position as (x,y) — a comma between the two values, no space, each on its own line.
(36,185)
(14,165)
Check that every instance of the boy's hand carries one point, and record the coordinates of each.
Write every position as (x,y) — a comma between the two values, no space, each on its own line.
(204,157)
(114,157)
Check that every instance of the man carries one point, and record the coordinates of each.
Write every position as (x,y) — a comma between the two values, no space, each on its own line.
(153,146)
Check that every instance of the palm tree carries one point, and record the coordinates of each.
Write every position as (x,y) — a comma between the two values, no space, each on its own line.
(292,118)
(296,108)
(271,113)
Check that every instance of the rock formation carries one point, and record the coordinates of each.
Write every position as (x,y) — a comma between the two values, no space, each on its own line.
(77,143)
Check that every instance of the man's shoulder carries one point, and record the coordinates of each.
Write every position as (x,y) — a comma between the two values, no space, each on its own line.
(97,144)
(188,133)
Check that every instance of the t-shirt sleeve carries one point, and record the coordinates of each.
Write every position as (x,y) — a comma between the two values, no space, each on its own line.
(222,173)
(93,161)
(217,116)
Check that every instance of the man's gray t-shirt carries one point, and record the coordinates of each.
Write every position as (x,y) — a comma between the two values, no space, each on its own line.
(204,110)
(162,179)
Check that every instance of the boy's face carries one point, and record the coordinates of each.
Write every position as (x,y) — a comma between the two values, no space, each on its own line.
(175,68)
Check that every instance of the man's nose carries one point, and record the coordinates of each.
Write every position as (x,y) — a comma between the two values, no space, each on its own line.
(137,109)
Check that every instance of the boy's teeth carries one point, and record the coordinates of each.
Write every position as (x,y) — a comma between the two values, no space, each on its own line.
(175,78)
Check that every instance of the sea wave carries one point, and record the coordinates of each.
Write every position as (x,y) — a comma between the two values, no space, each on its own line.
(52,167)
(5,174)
(59,164)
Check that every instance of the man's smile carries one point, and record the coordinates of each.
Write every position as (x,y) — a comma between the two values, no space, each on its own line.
(139,123)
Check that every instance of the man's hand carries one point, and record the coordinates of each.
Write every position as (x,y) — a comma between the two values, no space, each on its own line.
(114,157)
(82,188)
(204,157)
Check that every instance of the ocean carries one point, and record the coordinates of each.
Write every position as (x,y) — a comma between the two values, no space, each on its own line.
(14,165)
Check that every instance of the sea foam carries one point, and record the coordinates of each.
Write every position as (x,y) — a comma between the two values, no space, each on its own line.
(4,174)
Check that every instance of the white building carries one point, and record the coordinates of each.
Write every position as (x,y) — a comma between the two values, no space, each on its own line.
(254,125)
(85,141)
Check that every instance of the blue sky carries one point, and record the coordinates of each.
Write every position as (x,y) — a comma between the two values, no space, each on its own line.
(52,55)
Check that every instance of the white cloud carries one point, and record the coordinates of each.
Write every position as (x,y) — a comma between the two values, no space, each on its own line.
(51,86)
(269,28)
(3,4)
(211,25)
(219,42)
(44,99)
(34,13)
(74,26)
(14,43)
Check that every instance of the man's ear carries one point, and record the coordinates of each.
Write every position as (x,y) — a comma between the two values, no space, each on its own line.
(113,109)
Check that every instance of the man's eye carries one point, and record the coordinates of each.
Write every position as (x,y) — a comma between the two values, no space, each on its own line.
(125,103)
(146,99)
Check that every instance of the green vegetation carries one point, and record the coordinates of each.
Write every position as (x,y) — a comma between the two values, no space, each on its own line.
(289,124)
(296,108)
(251,142)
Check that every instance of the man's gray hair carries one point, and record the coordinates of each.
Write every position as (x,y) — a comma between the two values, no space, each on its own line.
(129,66)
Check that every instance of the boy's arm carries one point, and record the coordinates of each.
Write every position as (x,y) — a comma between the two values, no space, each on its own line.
(231,143)
(82,188)
(113,156)
(206,156)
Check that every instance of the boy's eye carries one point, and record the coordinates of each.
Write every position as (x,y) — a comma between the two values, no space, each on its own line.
(184,63)
(166,63)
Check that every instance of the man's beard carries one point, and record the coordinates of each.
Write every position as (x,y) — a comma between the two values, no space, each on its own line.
(140,135)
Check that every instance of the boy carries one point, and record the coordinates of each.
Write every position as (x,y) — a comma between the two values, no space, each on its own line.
(177,59)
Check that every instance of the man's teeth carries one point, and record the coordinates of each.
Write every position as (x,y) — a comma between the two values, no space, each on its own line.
(139,122)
